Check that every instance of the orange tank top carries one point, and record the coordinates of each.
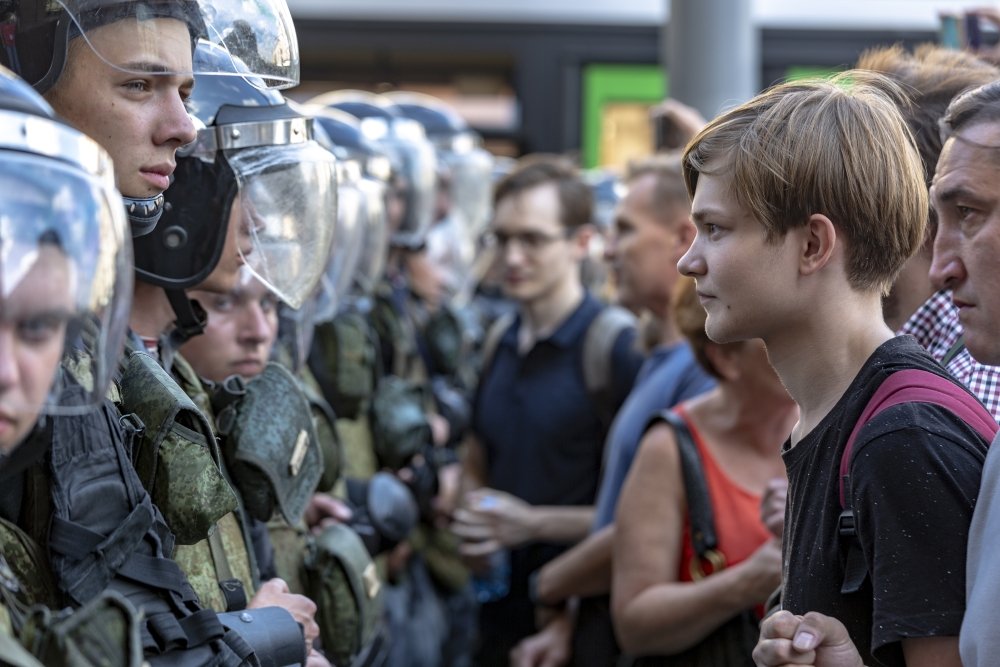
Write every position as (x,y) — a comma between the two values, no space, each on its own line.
(736,511)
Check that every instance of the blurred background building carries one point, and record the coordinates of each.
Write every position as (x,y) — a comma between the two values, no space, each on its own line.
(580,75)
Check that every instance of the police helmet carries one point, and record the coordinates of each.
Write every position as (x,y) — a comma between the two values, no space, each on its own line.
(65,261)
(254,171)
(411,192)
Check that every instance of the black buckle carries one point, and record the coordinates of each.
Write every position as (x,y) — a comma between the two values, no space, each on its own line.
(132,424)
(846,525)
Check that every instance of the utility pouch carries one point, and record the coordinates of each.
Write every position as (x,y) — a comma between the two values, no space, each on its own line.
(102,633)
(328,437)
(399,424)
(445,341)
(175,453)
(342,579)
(343,360)
(269,441)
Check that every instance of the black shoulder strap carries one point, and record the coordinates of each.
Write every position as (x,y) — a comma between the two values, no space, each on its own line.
(704,539)
(492,340)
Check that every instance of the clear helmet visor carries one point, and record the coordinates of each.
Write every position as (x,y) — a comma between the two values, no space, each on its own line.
(375,237)
(143,36)
(472,188)
(286,213)
(346,252)
(65,287)
(410,201)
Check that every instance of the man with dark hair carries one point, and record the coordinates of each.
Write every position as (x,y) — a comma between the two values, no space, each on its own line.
(652,229)
(932,76)
(966,248)
(539,426)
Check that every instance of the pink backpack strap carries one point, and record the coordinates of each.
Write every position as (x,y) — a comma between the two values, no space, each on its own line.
(919,386)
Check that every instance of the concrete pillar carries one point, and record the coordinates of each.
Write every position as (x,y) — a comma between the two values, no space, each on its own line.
(711,52)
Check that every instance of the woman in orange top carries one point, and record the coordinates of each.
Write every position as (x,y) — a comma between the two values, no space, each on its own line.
(738,428)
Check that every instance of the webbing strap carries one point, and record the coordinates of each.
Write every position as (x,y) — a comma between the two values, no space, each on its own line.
(157,573)
(107,554)
(232,588)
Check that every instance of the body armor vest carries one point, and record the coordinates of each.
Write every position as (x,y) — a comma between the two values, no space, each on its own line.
(86,503)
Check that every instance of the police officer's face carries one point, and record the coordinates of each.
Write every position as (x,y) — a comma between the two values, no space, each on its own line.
(139,118)
(33,320)
(242,326)
(967,244)
(226,274)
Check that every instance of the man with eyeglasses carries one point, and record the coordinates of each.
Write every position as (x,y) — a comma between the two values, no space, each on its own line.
(534,461)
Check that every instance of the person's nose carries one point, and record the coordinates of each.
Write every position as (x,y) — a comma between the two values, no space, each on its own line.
(9,375)
(692,263)
(611,247)
(256,327)
(175,124)
(947,269)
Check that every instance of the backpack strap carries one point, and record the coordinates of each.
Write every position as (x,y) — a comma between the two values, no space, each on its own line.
(704,539)
(906,386)
(492,340)
(598,349)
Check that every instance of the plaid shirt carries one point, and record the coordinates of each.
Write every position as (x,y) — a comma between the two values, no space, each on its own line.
(936,327)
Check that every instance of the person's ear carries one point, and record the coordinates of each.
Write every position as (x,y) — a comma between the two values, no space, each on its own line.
(817,245)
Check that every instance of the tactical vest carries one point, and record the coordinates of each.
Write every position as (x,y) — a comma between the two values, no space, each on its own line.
(325,421)
(102,532)
(221,567)
(344,361)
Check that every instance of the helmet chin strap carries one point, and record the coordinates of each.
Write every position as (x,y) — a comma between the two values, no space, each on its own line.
(190,322)
(143,213)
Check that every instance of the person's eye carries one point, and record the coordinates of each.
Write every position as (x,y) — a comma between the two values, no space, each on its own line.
(39,329)
(137,86)
(223,304)
(532,240)
(268,304)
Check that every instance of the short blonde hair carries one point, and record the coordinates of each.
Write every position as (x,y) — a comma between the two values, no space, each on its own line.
(836,147)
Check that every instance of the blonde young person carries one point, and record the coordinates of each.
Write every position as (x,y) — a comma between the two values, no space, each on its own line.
(808,199)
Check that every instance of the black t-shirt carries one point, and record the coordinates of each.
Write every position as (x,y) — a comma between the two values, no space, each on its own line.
(914,478)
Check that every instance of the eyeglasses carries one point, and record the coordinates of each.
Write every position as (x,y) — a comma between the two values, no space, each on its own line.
(526,241)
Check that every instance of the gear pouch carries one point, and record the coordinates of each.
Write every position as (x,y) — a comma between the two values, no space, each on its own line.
(175,454)
(343,361)
(399,424)
(270,442)
(342,579)
(102,633)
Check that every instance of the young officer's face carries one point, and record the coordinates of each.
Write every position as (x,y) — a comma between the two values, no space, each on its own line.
(744,282)
(242,327)
(33,321)
(967,245)
(139,118)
